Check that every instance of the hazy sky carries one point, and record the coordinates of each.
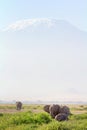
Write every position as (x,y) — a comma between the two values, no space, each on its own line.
(41,72)
(71,10)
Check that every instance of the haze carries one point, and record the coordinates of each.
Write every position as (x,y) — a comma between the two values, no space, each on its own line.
(43,50)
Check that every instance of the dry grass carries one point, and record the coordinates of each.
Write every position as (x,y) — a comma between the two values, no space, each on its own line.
(11,108)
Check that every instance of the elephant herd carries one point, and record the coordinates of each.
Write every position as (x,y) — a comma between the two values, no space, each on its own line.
(58,112)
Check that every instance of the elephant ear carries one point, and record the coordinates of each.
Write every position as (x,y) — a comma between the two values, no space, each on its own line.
(65,109)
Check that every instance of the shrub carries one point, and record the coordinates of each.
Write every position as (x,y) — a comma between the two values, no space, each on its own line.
(27,118)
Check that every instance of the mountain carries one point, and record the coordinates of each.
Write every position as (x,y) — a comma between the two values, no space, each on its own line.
(42,32)
(44,58)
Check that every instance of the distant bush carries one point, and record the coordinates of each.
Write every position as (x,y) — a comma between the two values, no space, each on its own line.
(1,114)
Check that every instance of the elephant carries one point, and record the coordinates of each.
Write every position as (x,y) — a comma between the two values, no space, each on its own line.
(46,108)
(61,117)
(58,112)
(54,110)
(18,105)
(65,109)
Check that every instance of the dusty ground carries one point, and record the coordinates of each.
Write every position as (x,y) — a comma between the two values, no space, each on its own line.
(8,111)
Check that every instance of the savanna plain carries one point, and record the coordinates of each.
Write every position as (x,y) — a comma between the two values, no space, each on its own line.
(33,117)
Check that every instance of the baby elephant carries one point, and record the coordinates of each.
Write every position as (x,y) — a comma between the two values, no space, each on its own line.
(18,105)
(61,117)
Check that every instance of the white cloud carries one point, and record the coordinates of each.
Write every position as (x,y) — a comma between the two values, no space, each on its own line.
(22,24)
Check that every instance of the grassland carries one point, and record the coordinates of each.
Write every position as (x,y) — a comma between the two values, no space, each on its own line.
(32,117)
